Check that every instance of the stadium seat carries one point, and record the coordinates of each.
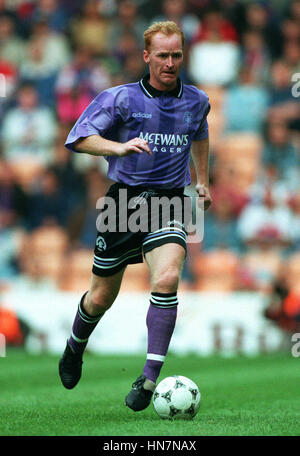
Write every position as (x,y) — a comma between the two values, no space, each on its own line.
(216,271)
(216,123)
(49,239)
(45,249)
(136,278)
(26,171)
(240,144)
(216,119)
(238,175)
(237,160)
(78,269)
(259,269)
(36,266)
(185,285)
(292,273)
(216,96)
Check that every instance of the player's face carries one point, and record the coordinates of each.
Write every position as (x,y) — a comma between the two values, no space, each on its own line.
(164,58)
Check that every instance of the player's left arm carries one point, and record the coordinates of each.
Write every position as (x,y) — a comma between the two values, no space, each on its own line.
(200,156)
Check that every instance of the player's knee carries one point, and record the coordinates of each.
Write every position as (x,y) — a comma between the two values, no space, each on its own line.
(166,282)
(98,301)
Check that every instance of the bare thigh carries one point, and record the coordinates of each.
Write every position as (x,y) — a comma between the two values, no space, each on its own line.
(165,264)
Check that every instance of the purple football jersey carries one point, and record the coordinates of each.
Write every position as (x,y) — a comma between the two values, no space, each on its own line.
(169,121)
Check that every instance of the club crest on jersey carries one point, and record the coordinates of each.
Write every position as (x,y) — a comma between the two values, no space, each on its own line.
(100,243)
(188,118)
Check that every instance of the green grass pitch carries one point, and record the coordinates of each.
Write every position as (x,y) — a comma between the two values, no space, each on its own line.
(241,396)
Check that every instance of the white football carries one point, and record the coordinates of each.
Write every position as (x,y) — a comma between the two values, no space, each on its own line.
(176,397)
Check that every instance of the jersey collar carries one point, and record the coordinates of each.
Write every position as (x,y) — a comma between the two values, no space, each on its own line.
(152,92)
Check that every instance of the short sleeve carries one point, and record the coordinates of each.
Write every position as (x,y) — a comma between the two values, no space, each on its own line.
(96,119)
(202,132)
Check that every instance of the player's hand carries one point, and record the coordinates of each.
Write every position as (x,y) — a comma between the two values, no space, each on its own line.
(135,145)
(204,196)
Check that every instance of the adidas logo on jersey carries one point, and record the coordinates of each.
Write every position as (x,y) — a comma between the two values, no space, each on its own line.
(145,115)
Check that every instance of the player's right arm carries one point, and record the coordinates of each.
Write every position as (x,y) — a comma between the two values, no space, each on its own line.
(104,115)
(99,146)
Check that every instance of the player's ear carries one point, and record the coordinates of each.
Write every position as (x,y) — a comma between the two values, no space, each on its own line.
(146,56)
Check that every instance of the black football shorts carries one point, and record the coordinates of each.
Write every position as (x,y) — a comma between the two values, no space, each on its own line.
(134,220)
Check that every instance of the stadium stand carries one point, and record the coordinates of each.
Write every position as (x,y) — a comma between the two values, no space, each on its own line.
(56,56)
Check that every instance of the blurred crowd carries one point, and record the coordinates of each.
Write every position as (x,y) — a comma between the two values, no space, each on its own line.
(57,55)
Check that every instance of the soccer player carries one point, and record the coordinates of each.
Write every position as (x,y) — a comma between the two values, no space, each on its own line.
(146,131)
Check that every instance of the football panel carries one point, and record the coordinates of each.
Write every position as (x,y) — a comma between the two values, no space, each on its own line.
(191,412)
(193,388)
(188,382)
(166,384)
(161,407)
(182,399)
(197,400)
